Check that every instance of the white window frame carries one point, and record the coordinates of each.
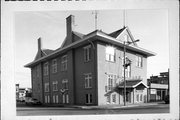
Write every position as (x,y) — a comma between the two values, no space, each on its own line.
(88,98)
(110,53)
(139,61)
(111,82)
(46,87)
(64,62)
(88,80)
(46,69)
(54,100)
(65,84)
(55,85)
(127,70)
(54,66)
(47,99)
(57,98)
(65,98)
(108,99)
(87,53)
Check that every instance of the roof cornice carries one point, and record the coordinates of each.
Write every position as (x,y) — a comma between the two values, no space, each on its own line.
(95,34)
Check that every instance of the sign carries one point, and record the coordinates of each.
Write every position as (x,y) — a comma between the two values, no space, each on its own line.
(153,91)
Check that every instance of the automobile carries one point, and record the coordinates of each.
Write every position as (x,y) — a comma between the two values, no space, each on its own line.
(32,101)
(166,100)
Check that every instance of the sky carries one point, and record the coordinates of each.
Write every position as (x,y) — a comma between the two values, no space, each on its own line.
(150,26)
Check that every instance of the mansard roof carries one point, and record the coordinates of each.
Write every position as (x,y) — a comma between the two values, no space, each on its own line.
(81,39)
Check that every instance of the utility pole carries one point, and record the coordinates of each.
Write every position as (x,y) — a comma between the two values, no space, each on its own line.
(95,15)
(124,62)
(125,65)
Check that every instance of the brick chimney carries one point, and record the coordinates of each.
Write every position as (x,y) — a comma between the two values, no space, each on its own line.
(39,44)
(39,47)
(69,28)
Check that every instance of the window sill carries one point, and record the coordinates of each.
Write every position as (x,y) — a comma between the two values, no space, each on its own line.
(88,87)
(87,61)
(111,61)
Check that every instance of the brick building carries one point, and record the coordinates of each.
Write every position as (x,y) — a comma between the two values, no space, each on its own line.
(158,87)
(88,69)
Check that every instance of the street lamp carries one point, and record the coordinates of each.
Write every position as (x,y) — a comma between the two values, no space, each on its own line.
(125,66)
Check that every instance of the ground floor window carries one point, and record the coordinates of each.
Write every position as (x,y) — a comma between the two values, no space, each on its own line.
(55,98)
(65,98)
(114,98)
(47,99)
(108,99)
(137,97)
(88,98)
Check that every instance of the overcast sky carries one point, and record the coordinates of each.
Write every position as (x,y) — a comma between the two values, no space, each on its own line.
(150,26)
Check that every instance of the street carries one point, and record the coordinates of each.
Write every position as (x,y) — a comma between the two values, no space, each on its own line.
(33,111)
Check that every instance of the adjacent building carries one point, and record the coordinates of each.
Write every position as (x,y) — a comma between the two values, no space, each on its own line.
(158,87)
(88,69)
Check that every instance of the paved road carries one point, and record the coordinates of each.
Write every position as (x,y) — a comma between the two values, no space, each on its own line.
(28,111)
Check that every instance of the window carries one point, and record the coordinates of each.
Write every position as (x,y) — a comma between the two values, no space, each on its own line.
(64,63)
(114,98)
(141,97)
(108,99)
(55,85)
(65,98)
(110,53)
(65,84)
(87,53)
(139,61)
(46,86)
(137,97)
(55,99)
(88,98)
(46,69)
(111,82)
(88,80)
(54,66)
(127,67)
(47,99)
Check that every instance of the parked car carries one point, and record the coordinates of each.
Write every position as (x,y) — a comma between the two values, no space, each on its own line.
(32,101)
(166,100)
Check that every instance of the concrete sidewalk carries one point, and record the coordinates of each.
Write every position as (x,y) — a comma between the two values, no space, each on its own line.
(117,106)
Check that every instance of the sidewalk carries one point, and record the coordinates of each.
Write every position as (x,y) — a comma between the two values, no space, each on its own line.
(118,106)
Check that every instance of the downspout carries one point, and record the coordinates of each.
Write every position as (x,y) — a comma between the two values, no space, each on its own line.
(95,71)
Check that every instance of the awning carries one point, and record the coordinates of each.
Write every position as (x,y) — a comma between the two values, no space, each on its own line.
(132,84)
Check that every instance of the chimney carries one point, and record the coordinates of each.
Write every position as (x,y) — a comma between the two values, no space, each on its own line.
(39,44)
(69,27)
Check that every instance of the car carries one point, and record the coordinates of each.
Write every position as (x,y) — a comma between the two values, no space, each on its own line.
(32,101)
(166,100)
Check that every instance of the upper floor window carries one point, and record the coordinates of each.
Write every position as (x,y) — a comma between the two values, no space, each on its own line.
(127,67)
(139,61)
(46,86)
(46,68)
(54,66)
(110,53)
(65,84)
(87,53)
(111,82)
(88,80)
(64,63)
(55,85)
